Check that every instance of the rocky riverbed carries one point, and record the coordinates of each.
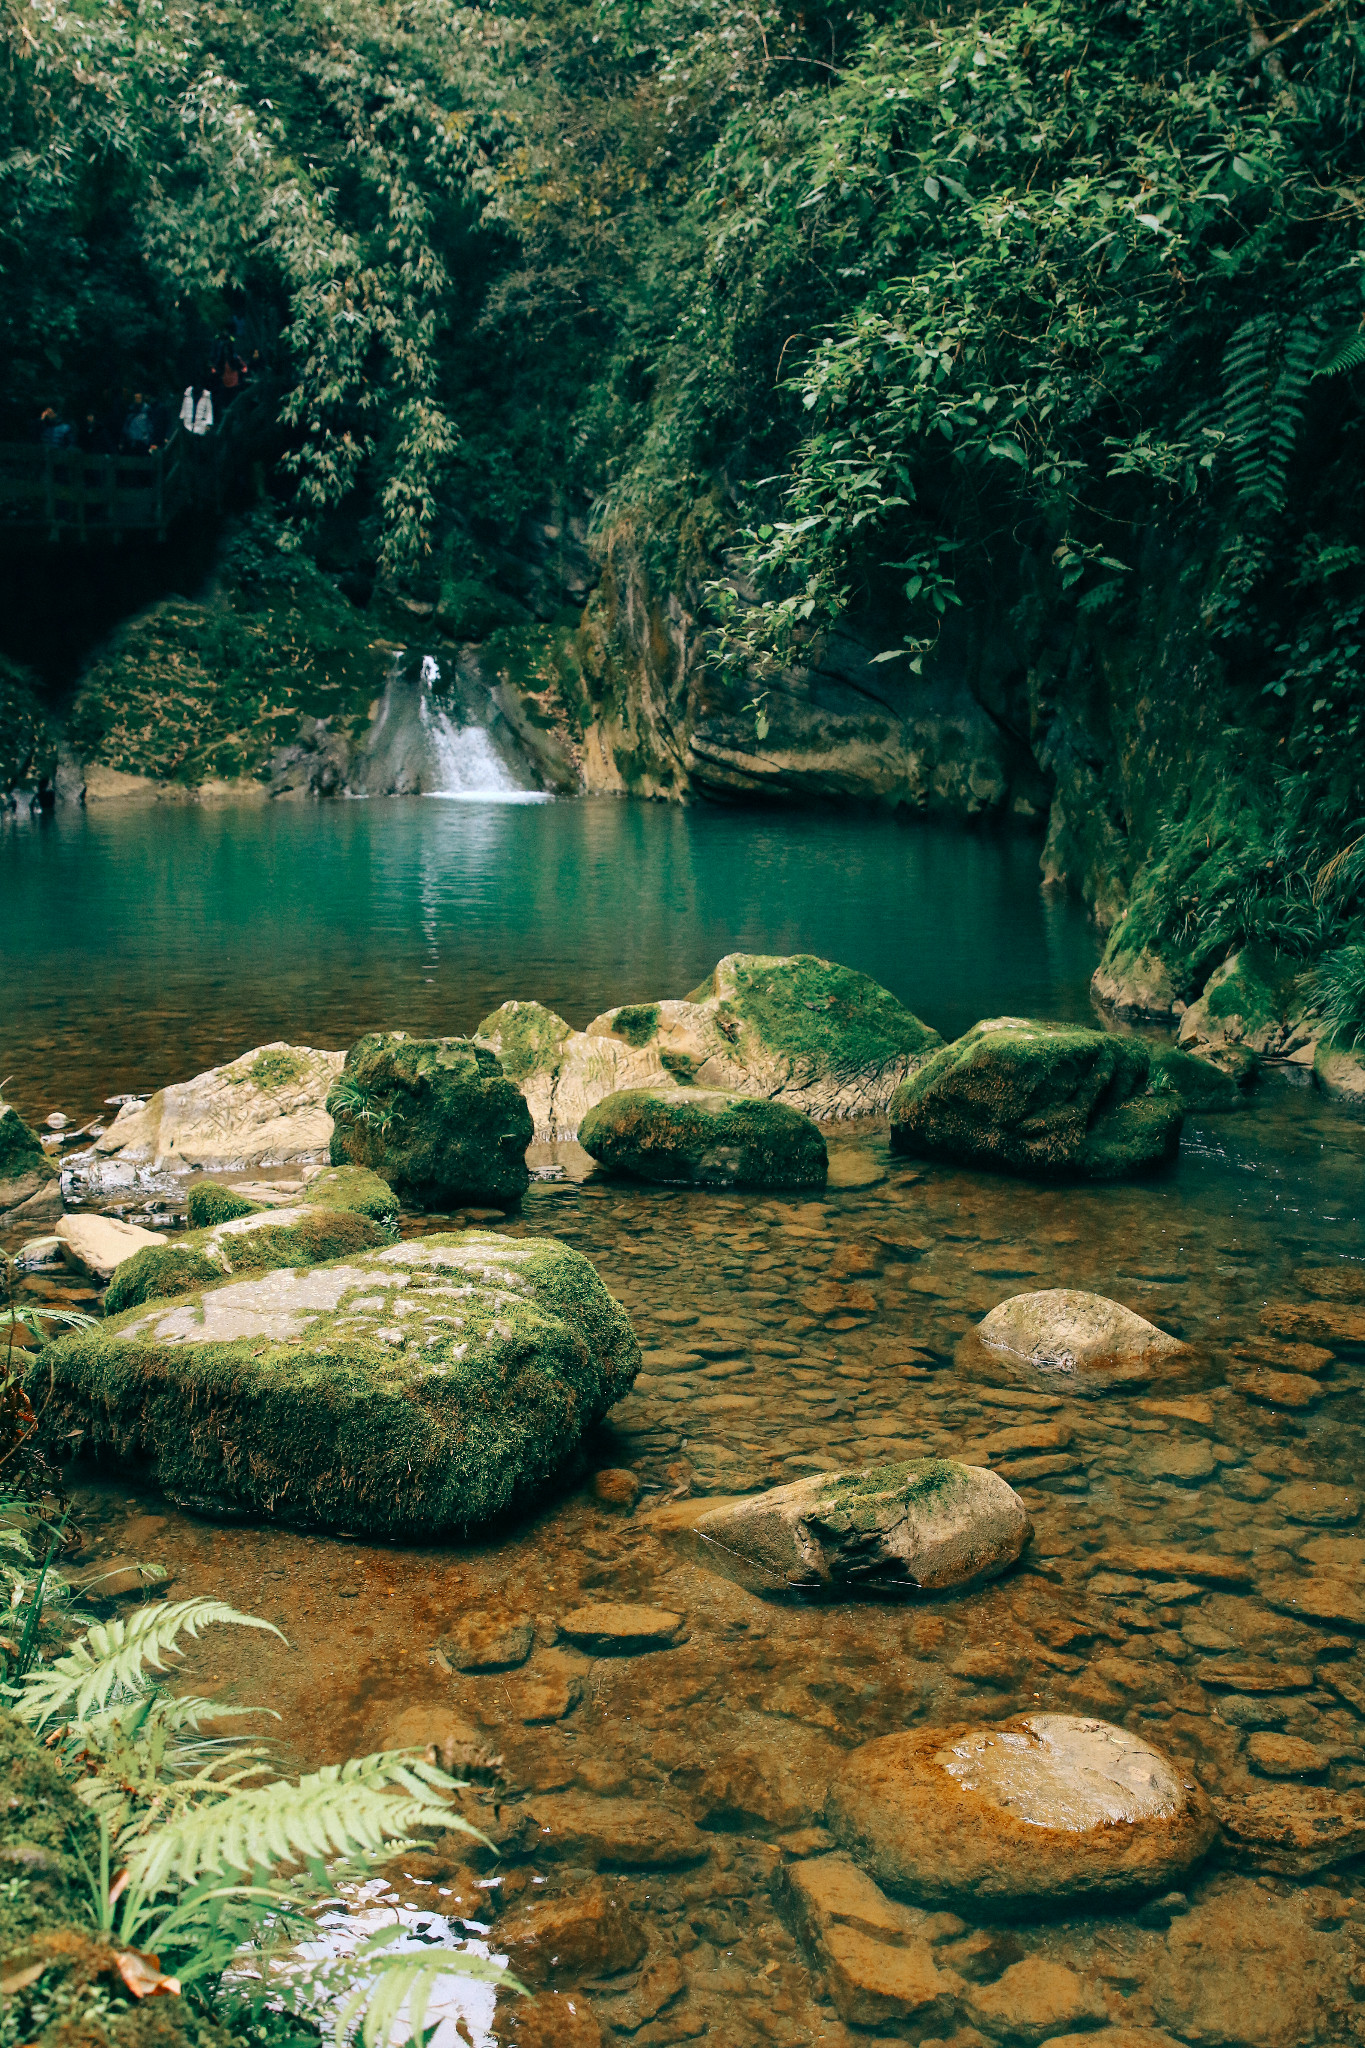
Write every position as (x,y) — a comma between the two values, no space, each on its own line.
(677,1858)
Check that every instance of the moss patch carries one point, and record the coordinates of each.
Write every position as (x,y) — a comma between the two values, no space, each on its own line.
(357,1189)
(21,1149)
(636,1023)
(1202,1088)
(436,1117)
(157,1272)
(421,1389)
(1037,1098)
(856,1502)
(806,1007)
(276,1069)
(525,1037)
(210,1202)
(708,1140)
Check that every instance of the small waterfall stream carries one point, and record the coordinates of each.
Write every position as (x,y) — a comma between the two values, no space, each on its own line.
(437,740)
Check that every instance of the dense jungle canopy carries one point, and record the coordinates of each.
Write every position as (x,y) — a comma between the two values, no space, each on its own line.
(892,314)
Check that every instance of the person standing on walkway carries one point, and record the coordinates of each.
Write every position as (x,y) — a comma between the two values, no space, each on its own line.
(196,410)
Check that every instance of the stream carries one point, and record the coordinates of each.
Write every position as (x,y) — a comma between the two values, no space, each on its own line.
(781,1335)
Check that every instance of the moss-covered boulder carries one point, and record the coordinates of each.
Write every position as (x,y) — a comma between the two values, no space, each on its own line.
(305,1235)
(1202,1088)
(414,1391)
(1043,1099)
(28,1178)
(436,1117)
(1245,1007)
(819,1037)
(707,1139)
(44,1829)
(210,1202)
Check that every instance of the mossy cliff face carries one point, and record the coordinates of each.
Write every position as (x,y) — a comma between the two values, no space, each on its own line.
(305,1235)
(436,1117)
(422,1389)
(1039,1099)
(694,1136)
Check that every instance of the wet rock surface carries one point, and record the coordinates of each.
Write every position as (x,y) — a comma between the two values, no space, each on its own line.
(930,1524)
(1064,1330)
(1052,1806)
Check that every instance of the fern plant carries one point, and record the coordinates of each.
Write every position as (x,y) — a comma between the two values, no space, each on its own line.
(1267,370)
(208,1870)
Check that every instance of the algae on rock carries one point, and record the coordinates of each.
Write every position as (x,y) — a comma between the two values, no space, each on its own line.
(436,1117)
(705,1138)
(1036,1098)
(422,1389)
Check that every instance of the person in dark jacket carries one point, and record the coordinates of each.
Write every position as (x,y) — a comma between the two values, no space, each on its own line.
(139,427)
(53,431)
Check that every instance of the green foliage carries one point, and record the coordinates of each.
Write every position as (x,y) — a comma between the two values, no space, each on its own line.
(186,1854)
(28,740)
(210,1202)
(1336,988)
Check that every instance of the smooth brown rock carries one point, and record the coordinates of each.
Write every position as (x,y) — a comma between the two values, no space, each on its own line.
(1294,1829)
(555,2019)
(1311,1359)
(1276,1389)
(1223,1675)
(1033,1998)
(928,1523)
(478,1643)
(98,1245)
(1051,1805)
(1164,1561)
(1284,1756)
(616,1487)
(1115,2037)
(778,1784)
(572,1827)
(1323,1599)
(1023,1437)
(872,1983)
(1319,1503)
(1244,1967)
(1316,1322)
(592,1933)
(1333,1283)
(660,1983)
(619,1628)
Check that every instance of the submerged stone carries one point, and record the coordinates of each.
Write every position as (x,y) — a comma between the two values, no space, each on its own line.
(1053,1806)
(307,1235)
(423,1388)
(1039,1099)
(436,1117)
(1293,1829)
(267,1108)
(709,1140)
(1063,1330)
(929,1524)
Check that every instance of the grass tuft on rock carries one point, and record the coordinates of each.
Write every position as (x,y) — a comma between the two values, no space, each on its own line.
(210,1202)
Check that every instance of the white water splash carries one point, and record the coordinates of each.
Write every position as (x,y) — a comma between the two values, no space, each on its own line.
(465,762)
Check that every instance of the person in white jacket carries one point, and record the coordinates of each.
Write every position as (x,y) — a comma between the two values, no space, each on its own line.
(196,416)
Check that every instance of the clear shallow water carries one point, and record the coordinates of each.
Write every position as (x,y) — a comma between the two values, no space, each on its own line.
(141,948)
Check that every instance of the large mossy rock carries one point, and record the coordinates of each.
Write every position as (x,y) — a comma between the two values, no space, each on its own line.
(436,1117)
(821,1038)
(1042,1099)
(1202,1088)
(30,1188)
(306,1235)
(928,1525)
(705,1139)
(267,1108)
(415,1391)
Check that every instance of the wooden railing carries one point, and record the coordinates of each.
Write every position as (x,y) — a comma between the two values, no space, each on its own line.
(65,494)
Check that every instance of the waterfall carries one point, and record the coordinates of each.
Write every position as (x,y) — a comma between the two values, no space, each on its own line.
(449,742)
(463,759)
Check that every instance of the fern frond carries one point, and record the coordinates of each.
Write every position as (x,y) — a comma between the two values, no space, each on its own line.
(115,1654)
(342,1810)
(1339,358)
(1266,375)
